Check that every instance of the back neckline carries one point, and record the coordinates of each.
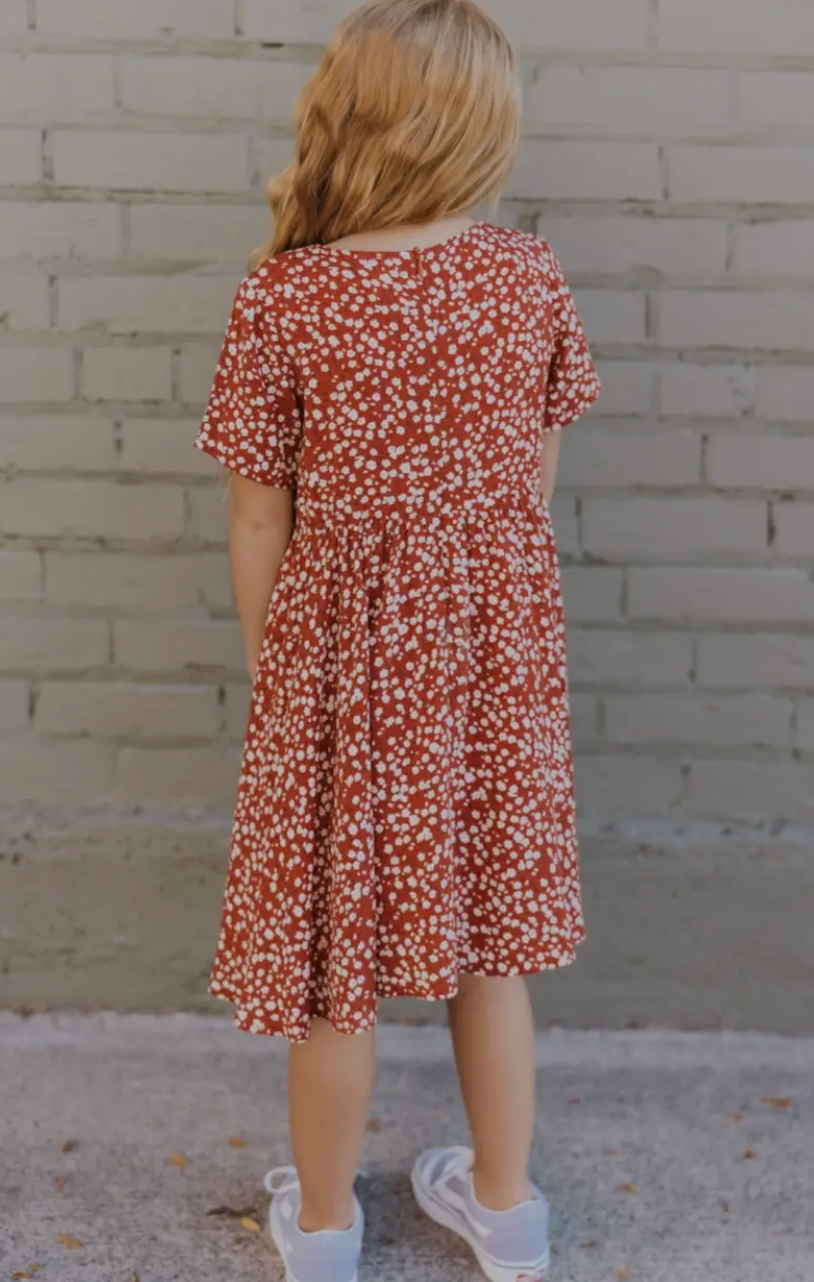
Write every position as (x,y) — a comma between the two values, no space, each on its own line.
(421,250)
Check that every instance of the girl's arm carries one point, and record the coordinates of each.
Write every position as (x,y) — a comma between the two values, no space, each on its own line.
(549,461)
(261,521)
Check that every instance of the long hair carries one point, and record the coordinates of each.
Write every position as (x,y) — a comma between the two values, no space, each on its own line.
(413,115)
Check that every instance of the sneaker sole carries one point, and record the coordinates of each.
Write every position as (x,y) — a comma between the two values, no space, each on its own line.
(289,1276)
(495,1272)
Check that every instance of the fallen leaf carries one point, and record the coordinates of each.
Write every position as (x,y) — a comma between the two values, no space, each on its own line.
(178,1159)
(388,1241)
(576,1100)
(21,1274)
(134,1277)
(68,1145)
(59,1184)
(627,1187)
(726,1208)
(237,1142)
(622,1273)
(612,1152)
(737,1117)
(748,1155)
(374,1125)
(777,1103)
(72,1243)
(248,1223)
(589,1246)
(234,1213)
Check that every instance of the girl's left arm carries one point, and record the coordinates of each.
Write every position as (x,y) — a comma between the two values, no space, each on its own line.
(549,463)
(261,522)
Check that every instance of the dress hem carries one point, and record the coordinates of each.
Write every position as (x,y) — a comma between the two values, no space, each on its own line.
(246,1023)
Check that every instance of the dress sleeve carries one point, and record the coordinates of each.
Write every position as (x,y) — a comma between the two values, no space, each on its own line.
(253,421)
(573,383)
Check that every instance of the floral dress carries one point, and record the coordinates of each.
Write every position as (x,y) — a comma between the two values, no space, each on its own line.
(406,807)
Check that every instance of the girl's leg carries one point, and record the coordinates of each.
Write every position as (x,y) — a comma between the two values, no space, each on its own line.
(493,1037)
(330,1082)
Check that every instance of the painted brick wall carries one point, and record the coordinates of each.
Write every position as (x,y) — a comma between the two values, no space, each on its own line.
(668,156)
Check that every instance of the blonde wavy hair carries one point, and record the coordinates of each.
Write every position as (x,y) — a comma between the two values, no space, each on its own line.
(413,115)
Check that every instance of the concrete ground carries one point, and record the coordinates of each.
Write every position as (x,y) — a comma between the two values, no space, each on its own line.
(667,1157)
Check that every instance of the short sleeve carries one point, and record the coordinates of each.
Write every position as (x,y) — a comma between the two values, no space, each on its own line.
(253,421)
(573,383)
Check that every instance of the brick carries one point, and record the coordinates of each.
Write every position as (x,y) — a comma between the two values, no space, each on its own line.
(198,364)
(209,515)
(13,17)
(127,374)
(24,301)
(777,248)
(674,101)
(574,24)
(145,585)
(743,721)
(37,771)
(785,394)
(36,374)
(627,388)
(593,594)
(586,171)
(65,444)
(759,660)
(794,524)
(616,245)
(223,234)
(157,447)
(92,509)
(238,702)
(20,157)
(150,161)
(737,26)
(59,230)
(673,529)
(14,699)
(270,156)
(127,711)
(584,720)
(774,100)
(202,88)
(20,576)
(753,790)
(190,778)
(110,19)
(611,316)
(281,84)
(184,646)
(742,175)
(52,644)
(721,595)
(147,304)
(749,460)
(41,88)
(773,322)
(596,456)
(805,726)
(616,787)
(706,391)
(605,659)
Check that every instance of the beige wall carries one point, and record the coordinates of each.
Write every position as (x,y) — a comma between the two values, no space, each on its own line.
(668,156)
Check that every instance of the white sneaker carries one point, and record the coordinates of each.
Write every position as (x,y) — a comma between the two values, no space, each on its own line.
(510,1246)
(329,1256)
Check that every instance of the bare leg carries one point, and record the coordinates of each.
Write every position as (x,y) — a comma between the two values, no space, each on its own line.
(493,1037)
(330,1082)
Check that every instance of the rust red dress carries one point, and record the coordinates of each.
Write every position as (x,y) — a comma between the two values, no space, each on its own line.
(406,805)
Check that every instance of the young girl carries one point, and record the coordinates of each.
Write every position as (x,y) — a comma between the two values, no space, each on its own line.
(389,396)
